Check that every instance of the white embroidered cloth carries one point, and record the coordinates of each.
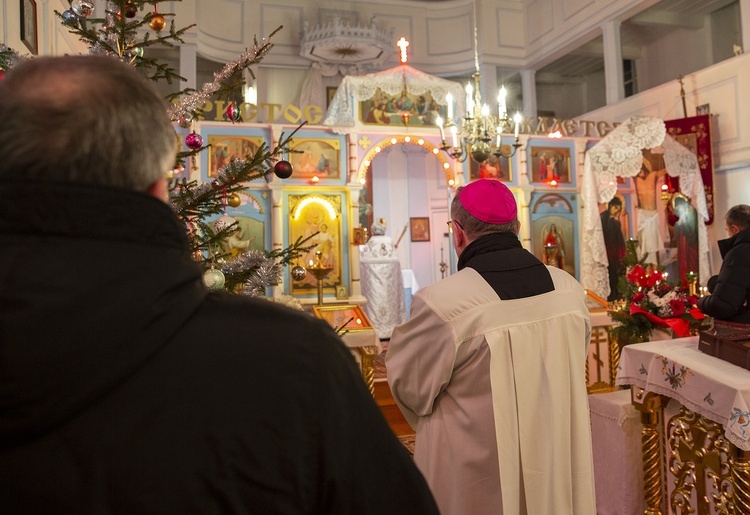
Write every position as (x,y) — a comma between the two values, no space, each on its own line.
(704,384)
(619,154)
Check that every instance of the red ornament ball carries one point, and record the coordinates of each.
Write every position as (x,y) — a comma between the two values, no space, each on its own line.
(283,169)
(130,10)
(157,23)
(233,112)
(194,140)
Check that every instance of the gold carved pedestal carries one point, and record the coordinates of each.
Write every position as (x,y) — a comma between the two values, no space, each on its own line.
(709,474)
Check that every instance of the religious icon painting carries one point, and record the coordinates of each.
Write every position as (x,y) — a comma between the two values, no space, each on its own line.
(550,165)
(420,229)
(494,167)
(224,149)
(315,157)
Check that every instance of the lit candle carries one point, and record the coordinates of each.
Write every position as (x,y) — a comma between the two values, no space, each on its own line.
(439,122)
(499,136)
(469,100)
(501,108)
(449,101)
(518,118)
(454,135)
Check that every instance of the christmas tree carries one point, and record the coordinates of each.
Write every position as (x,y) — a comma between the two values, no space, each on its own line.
(127,30)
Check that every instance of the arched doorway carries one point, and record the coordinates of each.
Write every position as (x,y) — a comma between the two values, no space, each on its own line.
(407,181)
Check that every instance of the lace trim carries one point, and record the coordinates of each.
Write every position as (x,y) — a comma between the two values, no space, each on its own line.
(692,406)
(619,154)
(355,89)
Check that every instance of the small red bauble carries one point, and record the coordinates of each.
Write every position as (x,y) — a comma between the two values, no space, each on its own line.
(130,10)
(283,169)
(194,140)
(233,112)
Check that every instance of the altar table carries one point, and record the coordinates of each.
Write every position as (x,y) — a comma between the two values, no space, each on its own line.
(703,447)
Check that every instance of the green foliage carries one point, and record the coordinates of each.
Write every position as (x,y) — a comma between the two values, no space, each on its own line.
(129,38)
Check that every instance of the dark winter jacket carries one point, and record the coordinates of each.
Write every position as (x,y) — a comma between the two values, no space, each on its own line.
(127,387)
(730,290)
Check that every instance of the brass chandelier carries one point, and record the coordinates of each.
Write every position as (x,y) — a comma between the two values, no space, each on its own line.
(480,133)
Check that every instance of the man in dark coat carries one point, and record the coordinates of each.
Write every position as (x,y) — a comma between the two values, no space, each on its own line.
(126,386)
(730,290)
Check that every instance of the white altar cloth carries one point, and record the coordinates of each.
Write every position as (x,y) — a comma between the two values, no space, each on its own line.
(704,384)
(616,441)
(382,286)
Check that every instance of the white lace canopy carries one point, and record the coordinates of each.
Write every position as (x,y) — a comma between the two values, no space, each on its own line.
(619,154)
(341,113)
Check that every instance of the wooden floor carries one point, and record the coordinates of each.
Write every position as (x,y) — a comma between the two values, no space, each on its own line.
(390,411)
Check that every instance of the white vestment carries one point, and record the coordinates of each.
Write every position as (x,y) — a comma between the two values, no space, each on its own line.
(496,390)
(649,234)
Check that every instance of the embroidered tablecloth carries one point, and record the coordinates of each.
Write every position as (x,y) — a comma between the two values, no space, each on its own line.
(704,384)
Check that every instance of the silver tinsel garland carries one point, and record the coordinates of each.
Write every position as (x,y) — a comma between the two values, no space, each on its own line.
(189,104)
(13,58)
(266,271)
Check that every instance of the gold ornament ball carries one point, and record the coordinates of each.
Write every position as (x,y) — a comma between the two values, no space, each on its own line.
(234,200)
(157,23)
(298,273)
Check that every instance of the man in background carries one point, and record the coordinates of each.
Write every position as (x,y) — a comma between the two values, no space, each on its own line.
(126,386)
(490,371)
(730,290)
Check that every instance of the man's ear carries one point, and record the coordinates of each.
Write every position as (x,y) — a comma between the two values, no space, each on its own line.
(159,190)
(459,238)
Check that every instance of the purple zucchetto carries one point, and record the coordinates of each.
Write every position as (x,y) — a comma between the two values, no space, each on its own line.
(489,201)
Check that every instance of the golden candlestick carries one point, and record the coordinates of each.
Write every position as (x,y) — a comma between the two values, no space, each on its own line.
(692,282)
(320,272)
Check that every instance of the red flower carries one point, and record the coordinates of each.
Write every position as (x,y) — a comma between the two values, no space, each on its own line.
(638,297)
(692,300)
(653,277)
(677,307)
(636,275)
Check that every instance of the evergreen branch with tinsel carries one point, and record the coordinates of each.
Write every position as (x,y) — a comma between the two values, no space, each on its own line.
(190,103)
(250,272)
(9,57)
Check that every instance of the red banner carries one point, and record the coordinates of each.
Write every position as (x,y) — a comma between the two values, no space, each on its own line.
(695,134)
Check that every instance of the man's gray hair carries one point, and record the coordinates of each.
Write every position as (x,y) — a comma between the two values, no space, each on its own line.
(739,215)
(83,119)
(474,227)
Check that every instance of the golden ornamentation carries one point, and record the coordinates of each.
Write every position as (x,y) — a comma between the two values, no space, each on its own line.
(651,408)
(741,480)
(367,355)
(699,460)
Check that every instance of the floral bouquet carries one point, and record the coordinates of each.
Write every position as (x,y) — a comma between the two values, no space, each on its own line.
(650,302)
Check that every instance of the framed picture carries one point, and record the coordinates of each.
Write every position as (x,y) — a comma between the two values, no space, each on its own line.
(29,26)
(315,157)
(225,149)
(358,236)
(348,317)
(550,163)
(494,167)
(420,229)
